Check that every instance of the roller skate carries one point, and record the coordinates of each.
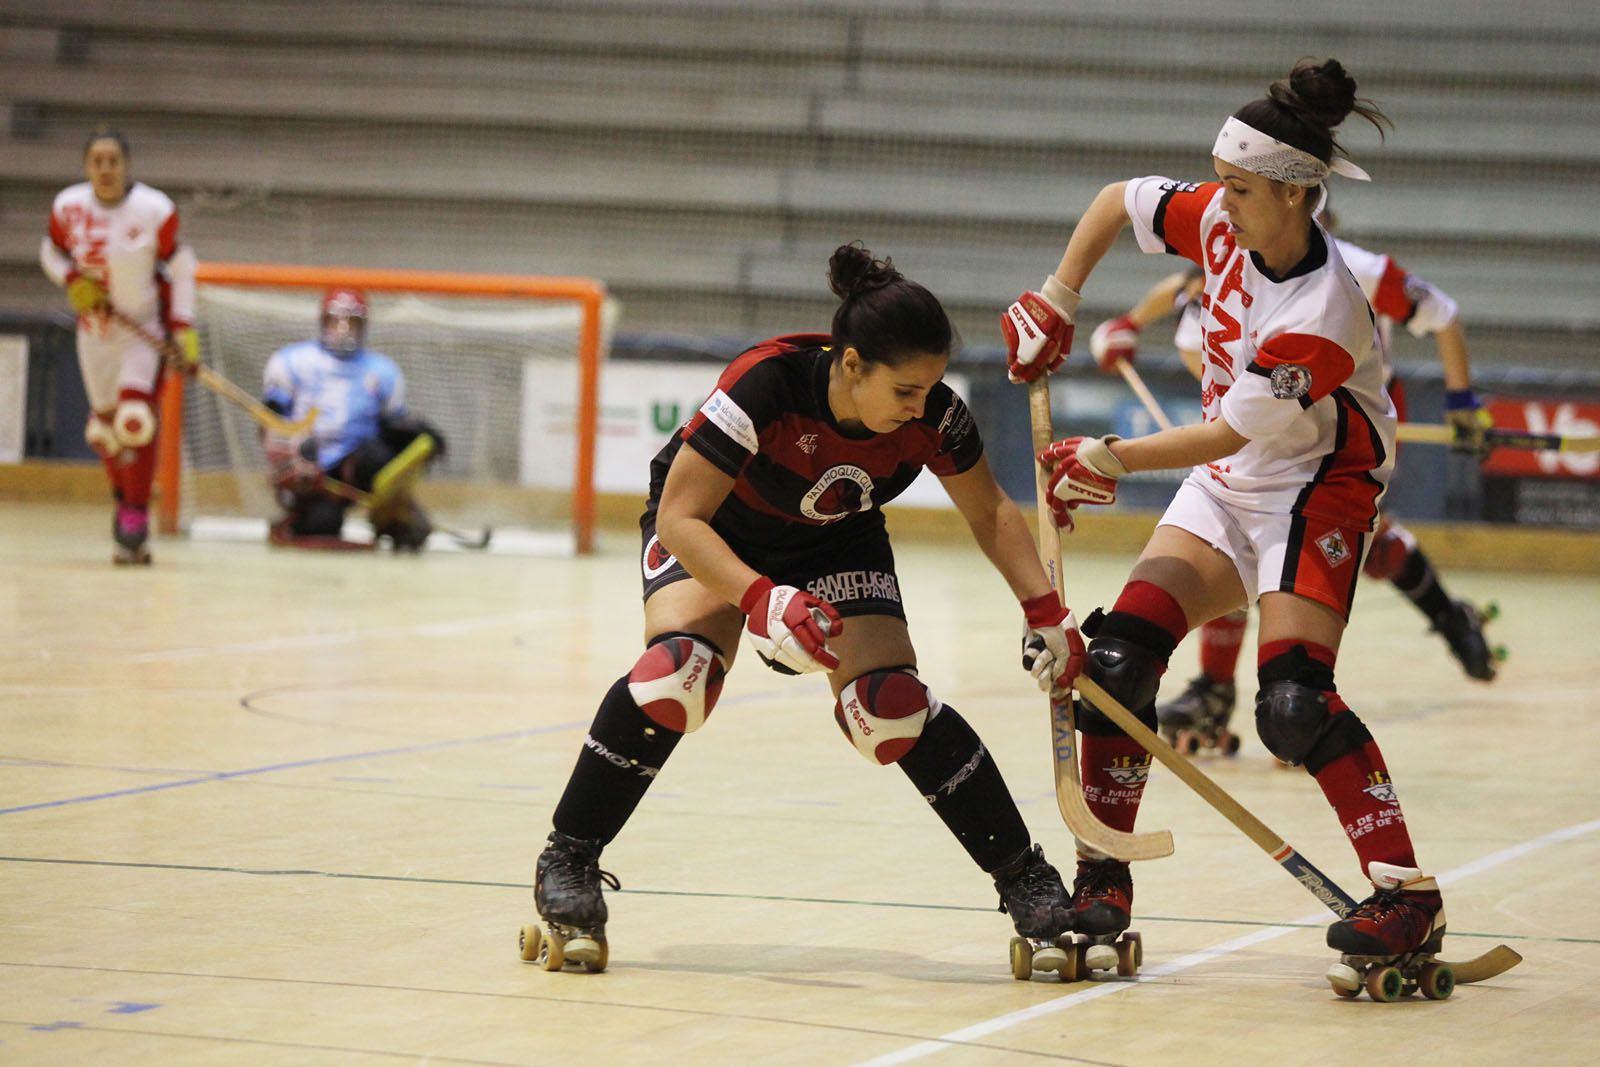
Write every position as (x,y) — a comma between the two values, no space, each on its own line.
(1389,942)
(1032,893)
(1102,907)
(1462,627)
(130,529)
(404,524)
(1198,718)
(566,890)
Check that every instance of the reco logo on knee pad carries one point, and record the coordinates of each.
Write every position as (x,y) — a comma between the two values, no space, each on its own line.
(677,681)
(883,714)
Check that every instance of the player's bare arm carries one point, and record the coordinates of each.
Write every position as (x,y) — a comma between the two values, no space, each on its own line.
(694,490)
(1093,237)
(999,529)
(1181,446)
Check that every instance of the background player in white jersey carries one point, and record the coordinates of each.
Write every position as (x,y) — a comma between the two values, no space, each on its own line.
(113,243)
(1200,715)
(362,424)
(765,515)
(1289,466)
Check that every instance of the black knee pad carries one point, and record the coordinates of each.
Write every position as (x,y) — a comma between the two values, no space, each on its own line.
(1127,671)
(1292,716)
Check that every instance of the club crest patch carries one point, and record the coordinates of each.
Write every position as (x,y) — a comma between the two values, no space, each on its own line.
(1290,381)
(1335,549)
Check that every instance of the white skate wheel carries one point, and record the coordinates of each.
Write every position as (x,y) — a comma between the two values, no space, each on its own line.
(1100,957)
(1345,979)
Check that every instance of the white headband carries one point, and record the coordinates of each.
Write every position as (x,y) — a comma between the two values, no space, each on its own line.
(1247,147)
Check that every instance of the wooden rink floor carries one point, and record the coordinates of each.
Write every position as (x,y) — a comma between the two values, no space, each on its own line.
(261,806)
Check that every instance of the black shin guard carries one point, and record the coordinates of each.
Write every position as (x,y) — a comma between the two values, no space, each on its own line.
(955,774)
(1420,583)
(621,756)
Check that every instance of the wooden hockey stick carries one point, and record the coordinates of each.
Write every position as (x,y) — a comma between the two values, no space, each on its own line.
(1142,391)
(1497,960)
(214,381)
(1495,437)
(1089,830)
(399,476)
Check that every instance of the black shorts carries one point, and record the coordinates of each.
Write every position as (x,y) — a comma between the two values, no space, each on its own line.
(854,573)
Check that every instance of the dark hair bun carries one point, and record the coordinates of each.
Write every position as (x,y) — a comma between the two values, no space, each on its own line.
(852,270)
(1319,91)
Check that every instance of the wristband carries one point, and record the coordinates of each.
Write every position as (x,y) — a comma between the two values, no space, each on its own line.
(1061,296)
(1095,454)
(757,590)
(1460,399)
(1043,609)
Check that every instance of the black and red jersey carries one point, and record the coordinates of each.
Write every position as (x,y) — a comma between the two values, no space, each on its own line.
(800,479)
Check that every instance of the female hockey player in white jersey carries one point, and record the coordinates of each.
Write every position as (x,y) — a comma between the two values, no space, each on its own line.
(113,244)
(1199,716)
(1289,465)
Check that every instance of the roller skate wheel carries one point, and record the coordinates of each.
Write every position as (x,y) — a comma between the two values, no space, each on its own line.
(1132,937)
(1169,734)
(1128,958)
(1021,959)
(529,940)
(552,955)
(1384,984)
(1437,981)
(1490,611)
(1345,979)
(1500,652)
(1188,742)
(1230,744)
(1099,957)
(587,950)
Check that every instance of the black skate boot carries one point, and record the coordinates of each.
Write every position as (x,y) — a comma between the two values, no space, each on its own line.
(1032,893)
(1198,718)
(1462,627)
(130,529)
(566,890)
(1102,908)
(1389,942)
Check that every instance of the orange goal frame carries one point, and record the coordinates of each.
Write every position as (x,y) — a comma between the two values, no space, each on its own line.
(588,293)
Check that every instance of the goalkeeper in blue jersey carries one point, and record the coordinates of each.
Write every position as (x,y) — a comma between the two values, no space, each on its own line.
(364,446)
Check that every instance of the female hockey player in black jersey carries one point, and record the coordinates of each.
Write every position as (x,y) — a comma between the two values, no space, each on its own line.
(763,516)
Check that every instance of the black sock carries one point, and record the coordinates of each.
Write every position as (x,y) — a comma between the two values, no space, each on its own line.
(1420,582)
(955,773)
(620,758)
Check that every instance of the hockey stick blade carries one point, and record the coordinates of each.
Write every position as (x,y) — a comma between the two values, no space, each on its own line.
(1496,961)
(465,539)
(1085,826)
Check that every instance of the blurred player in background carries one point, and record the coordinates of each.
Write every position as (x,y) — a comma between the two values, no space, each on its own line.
(1199,716)
(763,515)
(362,426)
(1289,466)
(113,244)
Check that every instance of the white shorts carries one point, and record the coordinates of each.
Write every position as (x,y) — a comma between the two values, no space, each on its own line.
(1274,553)
(116,359)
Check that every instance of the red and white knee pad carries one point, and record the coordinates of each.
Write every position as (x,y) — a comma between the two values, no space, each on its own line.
(101,435)
(135,421)
(1391,546)
(677,681)
(883,713)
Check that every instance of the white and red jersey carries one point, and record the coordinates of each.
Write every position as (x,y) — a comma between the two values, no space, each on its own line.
(131,247)
(1293,363)
(1397,296)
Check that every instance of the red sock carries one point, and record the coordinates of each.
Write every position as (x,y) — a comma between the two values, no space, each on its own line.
(1219,646)
(1114,768)
(1357,785)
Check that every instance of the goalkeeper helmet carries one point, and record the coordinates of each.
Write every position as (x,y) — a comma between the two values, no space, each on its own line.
(344,320)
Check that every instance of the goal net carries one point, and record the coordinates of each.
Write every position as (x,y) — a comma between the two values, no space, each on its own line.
(507,368)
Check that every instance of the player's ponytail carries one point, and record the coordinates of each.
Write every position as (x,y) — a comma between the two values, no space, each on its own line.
(883,314)
(1305,108)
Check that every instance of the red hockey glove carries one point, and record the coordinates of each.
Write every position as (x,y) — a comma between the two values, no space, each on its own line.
(789,628)
(1038,330)
(1082,471)
(1114,341)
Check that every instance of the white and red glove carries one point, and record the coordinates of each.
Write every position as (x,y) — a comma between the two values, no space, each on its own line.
(789,628)
(1114,341)
(1038,330)
(1082,471)
(1052,647)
